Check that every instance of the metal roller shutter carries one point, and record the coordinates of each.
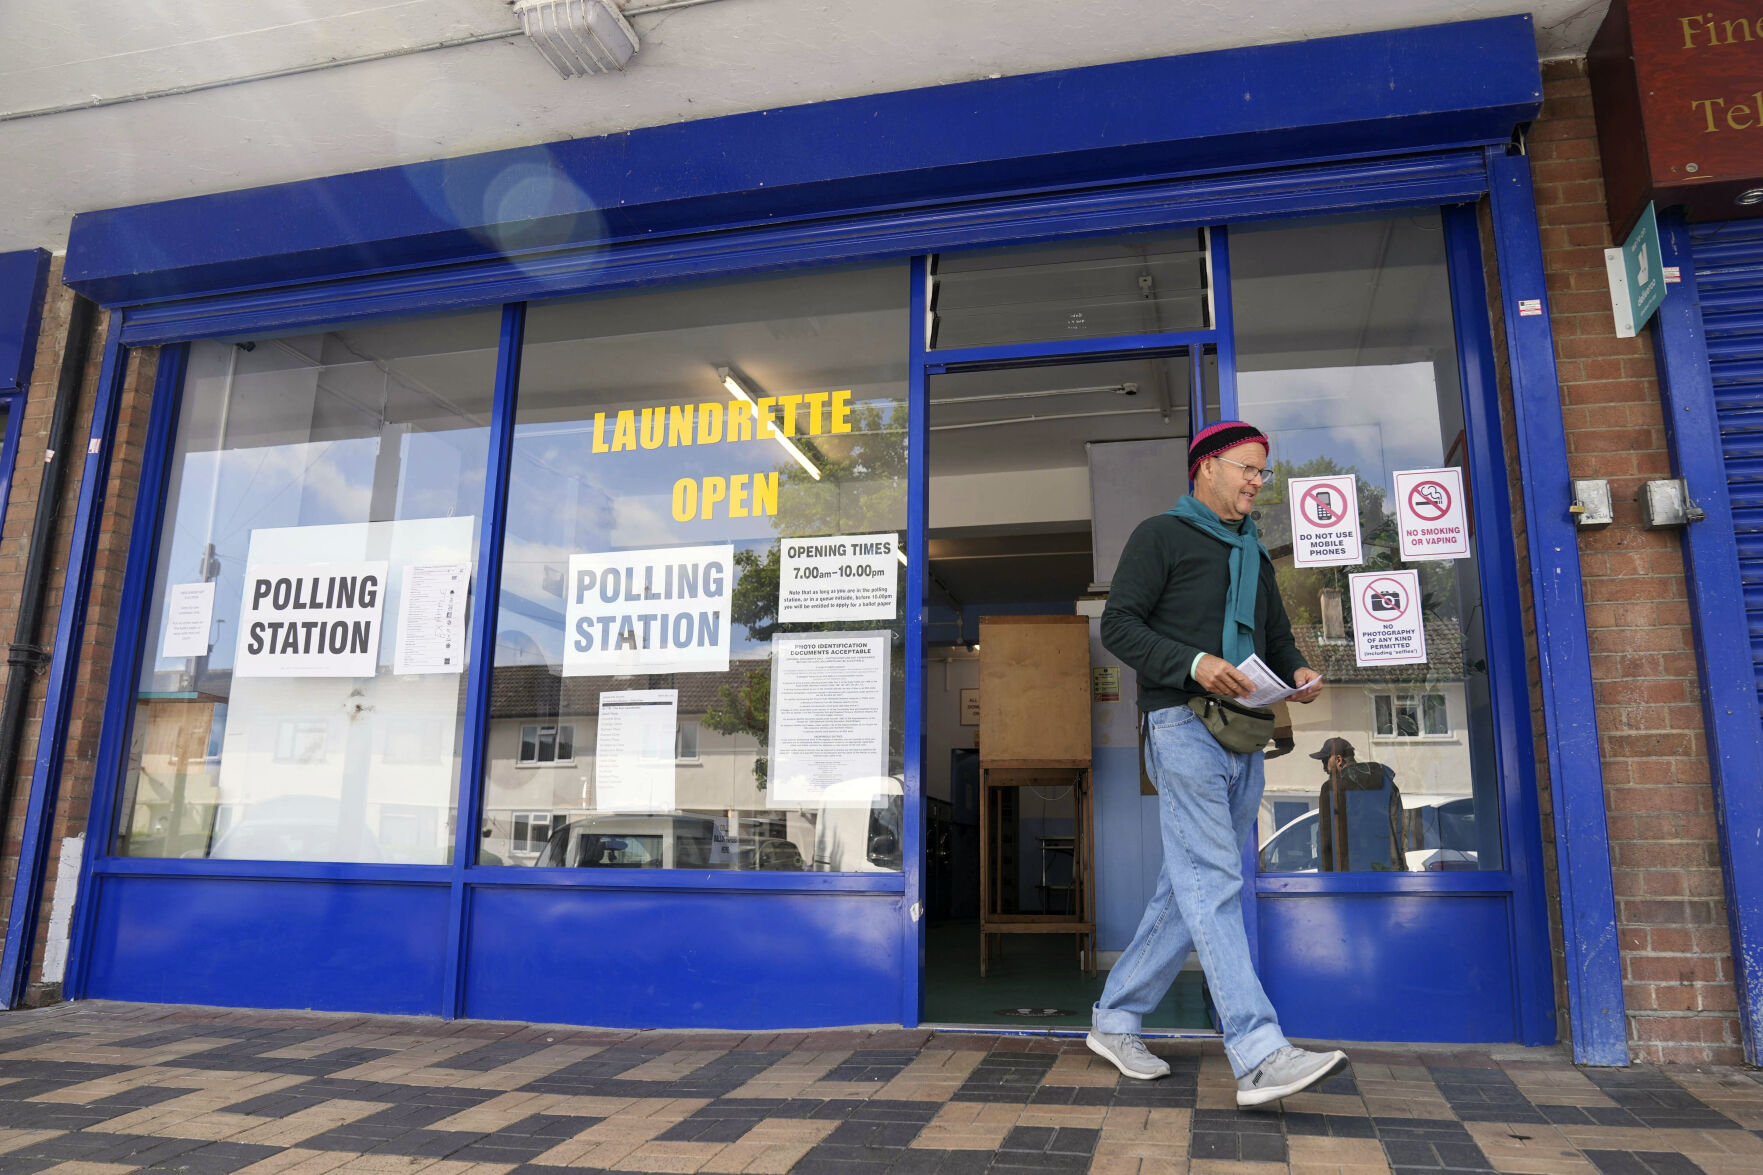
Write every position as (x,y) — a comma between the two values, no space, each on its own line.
(1729,270)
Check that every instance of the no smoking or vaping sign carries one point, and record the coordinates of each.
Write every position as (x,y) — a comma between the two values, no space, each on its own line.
(1325,520)
(1430,514)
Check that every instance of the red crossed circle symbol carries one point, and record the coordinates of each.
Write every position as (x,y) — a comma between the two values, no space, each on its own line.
(1310,506)
(1429,500)
(1380,585)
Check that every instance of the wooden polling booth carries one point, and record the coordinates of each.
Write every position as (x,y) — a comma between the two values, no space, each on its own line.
(1034,731)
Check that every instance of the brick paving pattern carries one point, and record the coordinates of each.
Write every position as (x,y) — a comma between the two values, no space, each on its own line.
(103,1089)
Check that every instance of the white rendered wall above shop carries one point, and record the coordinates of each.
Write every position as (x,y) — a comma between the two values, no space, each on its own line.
(81,127)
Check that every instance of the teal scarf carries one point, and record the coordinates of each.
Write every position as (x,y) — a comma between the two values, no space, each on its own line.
(1245,574)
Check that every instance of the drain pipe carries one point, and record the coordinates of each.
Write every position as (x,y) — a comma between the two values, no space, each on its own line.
(26,657)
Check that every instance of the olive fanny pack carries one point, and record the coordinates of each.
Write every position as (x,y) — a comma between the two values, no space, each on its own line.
(1239,728)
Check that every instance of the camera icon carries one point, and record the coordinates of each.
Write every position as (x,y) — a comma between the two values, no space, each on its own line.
(1385,600)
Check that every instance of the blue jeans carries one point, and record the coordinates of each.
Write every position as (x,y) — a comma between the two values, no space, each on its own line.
(1207,799)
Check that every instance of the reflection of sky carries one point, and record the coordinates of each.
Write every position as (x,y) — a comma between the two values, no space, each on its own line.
(224,496)
(563,498)
(1376,419)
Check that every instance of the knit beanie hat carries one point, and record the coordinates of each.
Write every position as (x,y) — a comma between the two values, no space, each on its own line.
(1220,438)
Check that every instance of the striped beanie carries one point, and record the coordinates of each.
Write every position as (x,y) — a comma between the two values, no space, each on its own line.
(1219,438)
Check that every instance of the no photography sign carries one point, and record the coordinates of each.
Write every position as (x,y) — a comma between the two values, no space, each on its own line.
(1387,628)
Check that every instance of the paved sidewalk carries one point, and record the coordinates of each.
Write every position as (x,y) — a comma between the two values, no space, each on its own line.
(102,1088)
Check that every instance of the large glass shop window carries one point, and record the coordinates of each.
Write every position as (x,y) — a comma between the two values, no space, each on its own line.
(699,643)
(303,678)
(1347,359)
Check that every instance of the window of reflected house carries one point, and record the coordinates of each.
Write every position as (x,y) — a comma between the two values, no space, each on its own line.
(702,581)
(1347,359)
(302,683)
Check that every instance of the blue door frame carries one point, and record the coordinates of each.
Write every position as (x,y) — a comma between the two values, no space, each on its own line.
(350,247)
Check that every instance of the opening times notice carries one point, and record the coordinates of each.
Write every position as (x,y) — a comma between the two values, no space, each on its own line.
(838,578)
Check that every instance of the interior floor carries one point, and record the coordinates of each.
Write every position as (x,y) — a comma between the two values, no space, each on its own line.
(1033,973)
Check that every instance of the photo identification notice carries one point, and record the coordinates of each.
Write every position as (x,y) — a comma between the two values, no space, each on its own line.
(311,619)
(829,711)
(1430,515)
(656,611)
(1325,520)
(1387,628)
(838,578)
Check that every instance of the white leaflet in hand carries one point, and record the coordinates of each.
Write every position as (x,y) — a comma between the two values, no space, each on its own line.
(1268,686)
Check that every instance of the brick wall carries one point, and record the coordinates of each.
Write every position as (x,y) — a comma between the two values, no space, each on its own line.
(1676,955)
(73,797)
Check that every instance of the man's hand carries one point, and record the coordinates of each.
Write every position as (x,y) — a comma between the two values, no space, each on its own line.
(1309,683)
(1219,676)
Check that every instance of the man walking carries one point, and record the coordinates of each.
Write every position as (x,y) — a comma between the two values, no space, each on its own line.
(1193,596)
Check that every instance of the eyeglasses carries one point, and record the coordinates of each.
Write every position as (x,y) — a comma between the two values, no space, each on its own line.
(1251,472)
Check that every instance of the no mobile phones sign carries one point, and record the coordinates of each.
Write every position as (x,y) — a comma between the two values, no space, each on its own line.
(1325,520)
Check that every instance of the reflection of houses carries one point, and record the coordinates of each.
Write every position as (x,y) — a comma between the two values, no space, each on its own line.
(329,768)
(177,751)
(314,769)
(1413,718)
(543,730)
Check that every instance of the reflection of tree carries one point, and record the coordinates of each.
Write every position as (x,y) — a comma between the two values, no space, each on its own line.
(1302,587)
(861,490)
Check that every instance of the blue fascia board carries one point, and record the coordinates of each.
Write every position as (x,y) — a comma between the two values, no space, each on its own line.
(1367,93)
(24,282)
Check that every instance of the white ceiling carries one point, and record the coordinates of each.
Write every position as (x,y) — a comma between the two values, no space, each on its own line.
(697,62)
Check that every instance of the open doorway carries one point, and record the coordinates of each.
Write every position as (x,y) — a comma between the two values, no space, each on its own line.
(1037,475)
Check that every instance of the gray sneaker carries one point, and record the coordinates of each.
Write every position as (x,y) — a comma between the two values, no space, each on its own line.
(1287,1071)
(1127,1053)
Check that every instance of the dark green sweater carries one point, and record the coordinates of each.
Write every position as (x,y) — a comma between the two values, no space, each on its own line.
(1166,604)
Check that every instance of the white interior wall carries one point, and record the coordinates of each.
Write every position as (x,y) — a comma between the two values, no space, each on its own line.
(1024,496)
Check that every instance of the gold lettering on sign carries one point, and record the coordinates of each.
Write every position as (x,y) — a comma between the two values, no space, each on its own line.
(1705,32)
(1719,114)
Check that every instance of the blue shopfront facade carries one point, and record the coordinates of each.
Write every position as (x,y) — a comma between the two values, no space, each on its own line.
(1361,126)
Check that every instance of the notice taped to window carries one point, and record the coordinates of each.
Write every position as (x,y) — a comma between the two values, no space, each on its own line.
(658,611)
(1430,514)
(311,619)
(189,611)
(634,750)
(838,578)
(431,619)
(829,712)
(1325,520)
(1387,626)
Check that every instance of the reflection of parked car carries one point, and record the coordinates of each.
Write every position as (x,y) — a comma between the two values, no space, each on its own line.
(661,840)
(631,840)
(858,828)
(1441,838)
(292,828)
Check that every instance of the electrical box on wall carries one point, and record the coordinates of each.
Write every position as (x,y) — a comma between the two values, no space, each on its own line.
(1591,504)
(1666,504)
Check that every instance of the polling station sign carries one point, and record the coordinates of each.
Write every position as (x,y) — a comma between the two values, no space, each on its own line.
(311,619)
(1430,514)
(1387,626)
(1325,520)
(653,611)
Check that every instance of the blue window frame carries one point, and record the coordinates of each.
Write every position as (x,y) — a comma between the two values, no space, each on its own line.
(471,890)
